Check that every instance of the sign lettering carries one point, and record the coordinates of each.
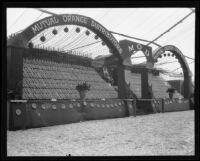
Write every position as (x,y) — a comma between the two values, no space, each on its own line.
(44,24)
(130,48)
(138,47)
(77,20)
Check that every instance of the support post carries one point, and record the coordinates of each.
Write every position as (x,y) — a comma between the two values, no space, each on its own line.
(121,82)
(134,108)
(163,105)
(187,85)
(145,83)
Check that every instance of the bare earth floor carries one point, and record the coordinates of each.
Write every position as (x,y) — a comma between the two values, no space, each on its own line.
(156,134)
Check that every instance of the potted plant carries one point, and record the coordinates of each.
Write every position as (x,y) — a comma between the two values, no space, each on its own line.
(82,88)
(171,92)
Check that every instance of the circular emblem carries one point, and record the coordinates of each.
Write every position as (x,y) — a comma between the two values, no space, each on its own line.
(84,103)
(96,37)
(54,107)
(129,105)
(18,112)
(87,32)
(66,29)
(63,106)
(70,106)
(77,29)
(43,106)
(54,32)
(162,51)
(30,45)
(42,38)
(34,106)
(179,101)
(139,46)
(120,50)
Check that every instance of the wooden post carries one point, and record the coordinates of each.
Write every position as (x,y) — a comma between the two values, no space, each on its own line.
(163,105)
(187,84)
(121,82)
(134,108)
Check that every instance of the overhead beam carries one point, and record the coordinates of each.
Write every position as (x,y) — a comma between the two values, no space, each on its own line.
(45,11)
(135,38)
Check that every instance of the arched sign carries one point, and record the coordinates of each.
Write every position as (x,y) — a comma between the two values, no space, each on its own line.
(70,19)
(186,70)
(129,48)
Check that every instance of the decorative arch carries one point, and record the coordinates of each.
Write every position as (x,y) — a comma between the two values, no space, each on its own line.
(129,47)
(25,36)
(22,39)
(179,55)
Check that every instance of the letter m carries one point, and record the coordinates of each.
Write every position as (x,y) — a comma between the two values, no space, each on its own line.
(130,48)
(35,29)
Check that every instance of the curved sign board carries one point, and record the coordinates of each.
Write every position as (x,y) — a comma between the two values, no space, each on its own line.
(176,52)
(183,63)
(129,48)
(72,19)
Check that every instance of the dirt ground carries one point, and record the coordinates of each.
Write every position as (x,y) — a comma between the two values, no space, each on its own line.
(155,134)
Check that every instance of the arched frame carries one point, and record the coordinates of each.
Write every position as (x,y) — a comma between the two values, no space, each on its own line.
(179,55)
(70,19)
(129,48)
(23,39)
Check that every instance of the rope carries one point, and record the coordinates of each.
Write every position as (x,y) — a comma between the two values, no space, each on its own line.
(135,38)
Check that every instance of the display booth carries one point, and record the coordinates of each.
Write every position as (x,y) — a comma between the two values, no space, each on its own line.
(41,84)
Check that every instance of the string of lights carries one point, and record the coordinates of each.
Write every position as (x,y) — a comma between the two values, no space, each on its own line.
(73,38)
(134,38)
(164,63)
(85,45)
(89,39)
(19,17)
(168,30)
(168,18)
(80,40)
(137,28)
(125,18)
(59,29)
(181,32)
(45,11)
(181,67)
(73,41)
(95,46)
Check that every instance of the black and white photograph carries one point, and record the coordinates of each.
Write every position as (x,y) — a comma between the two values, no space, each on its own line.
(100,81)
